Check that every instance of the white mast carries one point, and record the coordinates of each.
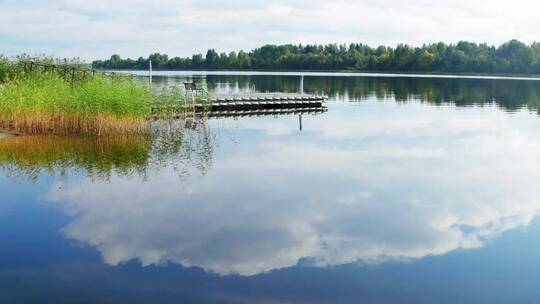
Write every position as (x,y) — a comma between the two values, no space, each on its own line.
(150,71)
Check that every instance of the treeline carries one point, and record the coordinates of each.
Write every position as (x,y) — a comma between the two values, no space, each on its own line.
(513,57)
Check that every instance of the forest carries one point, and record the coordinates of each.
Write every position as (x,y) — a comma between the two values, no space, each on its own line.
(512,57)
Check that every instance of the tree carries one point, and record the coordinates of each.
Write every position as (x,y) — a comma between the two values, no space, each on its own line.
(159,60)
(197,61)
(212,58)
(233,60)
(515,57)
(244,60)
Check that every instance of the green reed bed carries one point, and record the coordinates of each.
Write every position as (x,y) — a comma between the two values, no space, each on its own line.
(8,70)
(63,99)
(47,103)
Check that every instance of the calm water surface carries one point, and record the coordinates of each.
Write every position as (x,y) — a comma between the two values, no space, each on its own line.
(407,190)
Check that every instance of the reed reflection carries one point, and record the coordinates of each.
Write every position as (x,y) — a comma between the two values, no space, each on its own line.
(169,144)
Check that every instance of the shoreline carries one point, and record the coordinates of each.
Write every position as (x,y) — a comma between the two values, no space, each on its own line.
(343,73)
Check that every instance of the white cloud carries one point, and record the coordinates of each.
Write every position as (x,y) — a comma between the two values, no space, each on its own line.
(96,29)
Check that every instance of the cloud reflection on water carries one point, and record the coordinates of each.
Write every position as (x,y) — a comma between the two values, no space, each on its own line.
(361,184)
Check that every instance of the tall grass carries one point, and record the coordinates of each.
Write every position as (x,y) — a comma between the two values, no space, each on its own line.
(48,96)
(8,70)
(44,102)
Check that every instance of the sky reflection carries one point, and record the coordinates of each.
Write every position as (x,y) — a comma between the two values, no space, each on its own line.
(369,182)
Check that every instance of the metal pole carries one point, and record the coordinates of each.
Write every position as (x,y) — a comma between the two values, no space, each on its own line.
(302,84)
(150,71)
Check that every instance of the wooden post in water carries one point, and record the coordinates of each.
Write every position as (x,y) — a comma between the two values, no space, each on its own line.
(300,121)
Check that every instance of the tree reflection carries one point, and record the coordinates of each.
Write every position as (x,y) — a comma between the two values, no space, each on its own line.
(510,95)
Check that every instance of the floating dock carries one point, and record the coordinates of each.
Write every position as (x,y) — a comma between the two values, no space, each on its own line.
(255,104)
(260,101)
(254,97)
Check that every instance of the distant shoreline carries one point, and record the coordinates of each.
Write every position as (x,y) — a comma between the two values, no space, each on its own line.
(346,73)
(511,57)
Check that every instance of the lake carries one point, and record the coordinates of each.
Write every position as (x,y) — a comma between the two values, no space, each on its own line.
(406,190)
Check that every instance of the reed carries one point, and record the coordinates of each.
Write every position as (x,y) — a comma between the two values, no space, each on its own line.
(43,102)
(47,96)
(57,97)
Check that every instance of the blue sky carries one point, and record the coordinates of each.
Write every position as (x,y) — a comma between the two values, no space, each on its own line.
(96,29)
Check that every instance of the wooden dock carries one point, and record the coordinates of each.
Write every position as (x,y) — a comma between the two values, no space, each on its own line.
(260,101)
(253,97)
(250,104)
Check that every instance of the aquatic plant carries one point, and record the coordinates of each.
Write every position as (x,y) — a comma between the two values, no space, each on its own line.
(43,102)
(172,102)
(64,97)
(8,70)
